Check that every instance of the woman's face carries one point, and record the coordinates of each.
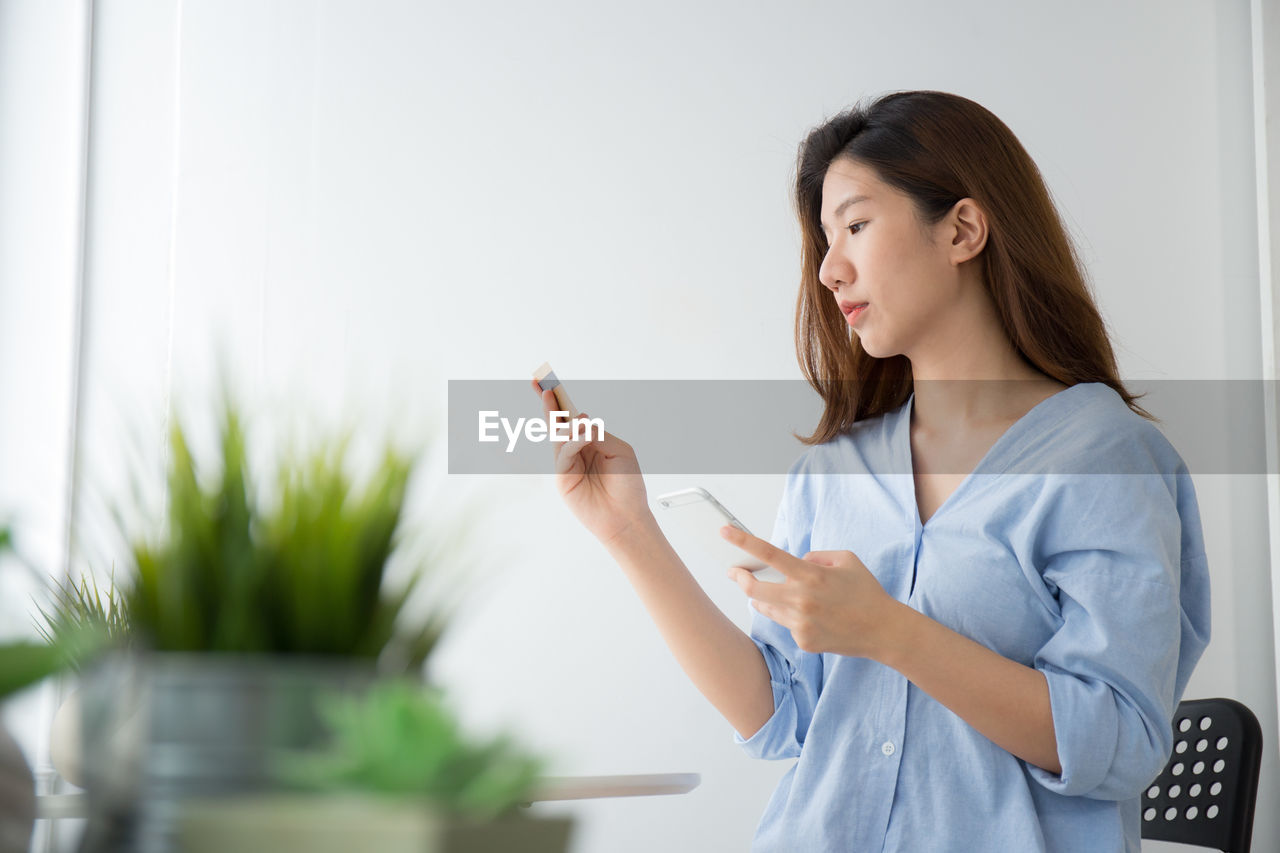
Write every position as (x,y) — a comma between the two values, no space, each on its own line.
(880,253)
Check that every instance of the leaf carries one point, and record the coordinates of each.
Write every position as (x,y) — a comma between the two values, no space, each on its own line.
(400,738)
(75,606)
(23,664)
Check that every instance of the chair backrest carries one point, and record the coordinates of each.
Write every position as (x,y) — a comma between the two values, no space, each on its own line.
(1206,793)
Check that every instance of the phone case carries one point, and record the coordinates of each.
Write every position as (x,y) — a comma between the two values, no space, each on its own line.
(692,519)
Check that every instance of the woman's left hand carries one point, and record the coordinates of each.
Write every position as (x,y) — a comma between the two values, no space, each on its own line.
(830,601)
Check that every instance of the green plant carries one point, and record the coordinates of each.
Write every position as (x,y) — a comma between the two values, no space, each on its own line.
(401,739)
(76,606)
(301,575)
(24,663)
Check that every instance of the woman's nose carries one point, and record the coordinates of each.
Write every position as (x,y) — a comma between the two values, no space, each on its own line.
(835,271)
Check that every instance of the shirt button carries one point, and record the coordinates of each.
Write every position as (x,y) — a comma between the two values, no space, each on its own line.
(887,748)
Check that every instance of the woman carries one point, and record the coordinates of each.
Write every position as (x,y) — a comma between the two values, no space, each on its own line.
(967,659)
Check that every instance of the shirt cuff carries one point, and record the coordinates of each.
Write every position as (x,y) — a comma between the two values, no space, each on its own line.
(776,739)
(1086,725)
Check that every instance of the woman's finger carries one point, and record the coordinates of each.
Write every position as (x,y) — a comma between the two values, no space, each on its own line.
(763,550)
(547,402)
(549,405)
(569,452)
(569,455)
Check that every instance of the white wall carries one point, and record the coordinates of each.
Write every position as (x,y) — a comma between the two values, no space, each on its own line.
(42,81)
(40,170)
(360,201)
(1265,23)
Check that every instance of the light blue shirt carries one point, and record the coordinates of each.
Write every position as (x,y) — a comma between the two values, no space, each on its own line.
(1074,547)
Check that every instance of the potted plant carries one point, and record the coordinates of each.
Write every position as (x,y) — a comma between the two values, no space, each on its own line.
(252,599)
(400,775)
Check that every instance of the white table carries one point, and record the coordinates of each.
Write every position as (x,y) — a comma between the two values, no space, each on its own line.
(636,785)
(549,788)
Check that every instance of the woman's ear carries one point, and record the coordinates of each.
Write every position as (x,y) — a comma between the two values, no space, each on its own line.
(967,226)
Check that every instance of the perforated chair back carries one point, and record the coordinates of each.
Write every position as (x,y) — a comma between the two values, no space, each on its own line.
(1206,793)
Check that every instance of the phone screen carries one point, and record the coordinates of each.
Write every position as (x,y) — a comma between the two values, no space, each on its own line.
(692,519)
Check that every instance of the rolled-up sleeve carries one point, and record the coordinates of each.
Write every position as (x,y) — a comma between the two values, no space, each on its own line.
(795,675)
(1113,665)
(796,678)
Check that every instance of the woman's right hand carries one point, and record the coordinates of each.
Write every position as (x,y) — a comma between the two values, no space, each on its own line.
(600,480)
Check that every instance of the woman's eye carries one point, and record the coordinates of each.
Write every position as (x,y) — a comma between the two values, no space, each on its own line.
(857,225)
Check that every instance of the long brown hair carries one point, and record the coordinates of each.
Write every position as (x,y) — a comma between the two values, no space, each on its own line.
(938,148)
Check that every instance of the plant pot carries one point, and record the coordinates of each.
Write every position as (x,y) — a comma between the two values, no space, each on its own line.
(507,834)
(293,823)
(159,729)
(64,740)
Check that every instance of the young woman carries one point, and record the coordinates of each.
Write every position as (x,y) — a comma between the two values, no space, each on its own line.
(985,654)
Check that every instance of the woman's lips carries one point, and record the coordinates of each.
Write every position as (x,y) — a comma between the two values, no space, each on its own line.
(854,312)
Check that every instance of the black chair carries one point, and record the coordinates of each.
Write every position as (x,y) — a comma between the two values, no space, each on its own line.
(1206,793)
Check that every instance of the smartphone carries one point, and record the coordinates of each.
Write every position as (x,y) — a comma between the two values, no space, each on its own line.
(695,519)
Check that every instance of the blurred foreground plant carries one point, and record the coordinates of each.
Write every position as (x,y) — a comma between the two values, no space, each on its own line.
(303,575)
(76,607)
(25,663)
(401,739)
